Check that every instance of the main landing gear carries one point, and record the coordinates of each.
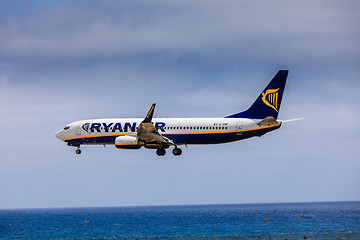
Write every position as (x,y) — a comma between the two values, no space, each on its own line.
(177,151)
(161,151)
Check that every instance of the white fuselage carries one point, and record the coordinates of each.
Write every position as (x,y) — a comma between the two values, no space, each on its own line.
(179,130)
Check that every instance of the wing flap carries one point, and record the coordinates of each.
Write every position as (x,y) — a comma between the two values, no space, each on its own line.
(147,131)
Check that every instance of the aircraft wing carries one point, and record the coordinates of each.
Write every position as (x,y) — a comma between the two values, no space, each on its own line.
(147,131)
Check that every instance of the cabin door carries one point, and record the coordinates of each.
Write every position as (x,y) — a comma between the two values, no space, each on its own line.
(78,130)
(238,128)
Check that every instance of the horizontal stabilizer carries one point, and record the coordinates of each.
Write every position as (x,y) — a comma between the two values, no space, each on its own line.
(268,121)
(292,120)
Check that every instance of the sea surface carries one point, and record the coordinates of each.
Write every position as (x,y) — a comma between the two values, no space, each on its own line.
(334,220)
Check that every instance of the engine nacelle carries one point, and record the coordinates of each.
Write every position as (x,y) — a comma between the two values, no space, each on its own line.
(127,142)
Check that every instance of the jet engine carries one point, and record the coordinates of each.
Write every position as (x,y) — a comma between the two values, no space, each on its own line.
(127,142)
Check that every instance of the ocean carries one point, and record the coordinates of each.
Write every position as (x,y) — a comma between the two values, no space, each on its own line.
(332,220)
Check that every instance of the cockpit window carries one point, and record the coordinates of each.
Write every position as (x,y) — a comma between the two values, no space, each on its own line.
(66,128)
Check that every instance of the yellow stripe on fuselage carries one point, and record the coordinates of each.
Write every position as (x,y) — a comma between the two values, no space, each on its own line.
(122,144)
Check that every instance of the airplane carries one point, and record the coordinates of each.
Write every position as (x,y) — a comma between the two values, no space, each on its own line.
(162,133)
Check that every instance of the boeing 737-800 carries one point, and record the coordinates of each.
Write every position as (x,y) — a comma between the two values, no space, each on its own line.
(161,133)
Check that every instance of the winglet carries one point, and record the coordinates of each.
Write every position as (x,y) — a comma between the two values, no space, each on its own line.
(149,115)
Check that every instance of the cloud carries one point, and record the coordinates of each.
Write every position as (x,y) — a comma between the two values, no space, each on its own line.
(67,61)
(246,33)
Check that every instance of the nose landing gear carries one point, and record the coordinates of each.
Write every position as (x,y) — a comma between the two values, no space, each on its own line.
(78,151)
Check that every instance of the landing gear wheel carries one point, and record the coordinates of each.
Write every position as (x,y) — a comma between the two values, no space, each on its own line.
(177,151)
(160,151)
(78,151)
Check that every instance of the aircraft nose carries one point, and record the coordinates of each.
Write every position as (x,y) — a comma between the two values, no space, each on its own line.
(59,134)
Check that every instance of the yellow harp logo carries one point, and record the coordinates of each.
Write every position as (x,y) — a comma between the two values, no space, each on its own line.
(270,98)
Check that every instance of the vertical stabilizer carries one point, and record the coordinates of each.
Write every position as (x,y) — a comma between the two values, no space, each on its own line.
(269,101)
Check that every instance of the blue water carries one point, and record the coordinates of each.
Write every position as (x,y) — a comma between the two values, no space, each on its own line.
(165,221)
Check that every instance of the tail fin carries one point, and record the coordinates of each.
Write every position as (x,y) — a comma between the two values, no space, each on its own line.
(268,103)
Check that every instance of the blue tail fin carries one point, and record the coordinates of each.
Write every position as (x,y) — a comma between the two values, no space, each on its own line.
(268,103)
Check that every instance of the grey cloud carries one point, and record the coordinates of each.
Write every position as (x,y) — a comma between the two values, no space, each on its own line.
(286,30)
(78,60)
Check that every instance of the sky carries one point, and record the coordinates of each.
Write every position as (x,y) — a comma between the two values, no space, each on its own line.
(63,61)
